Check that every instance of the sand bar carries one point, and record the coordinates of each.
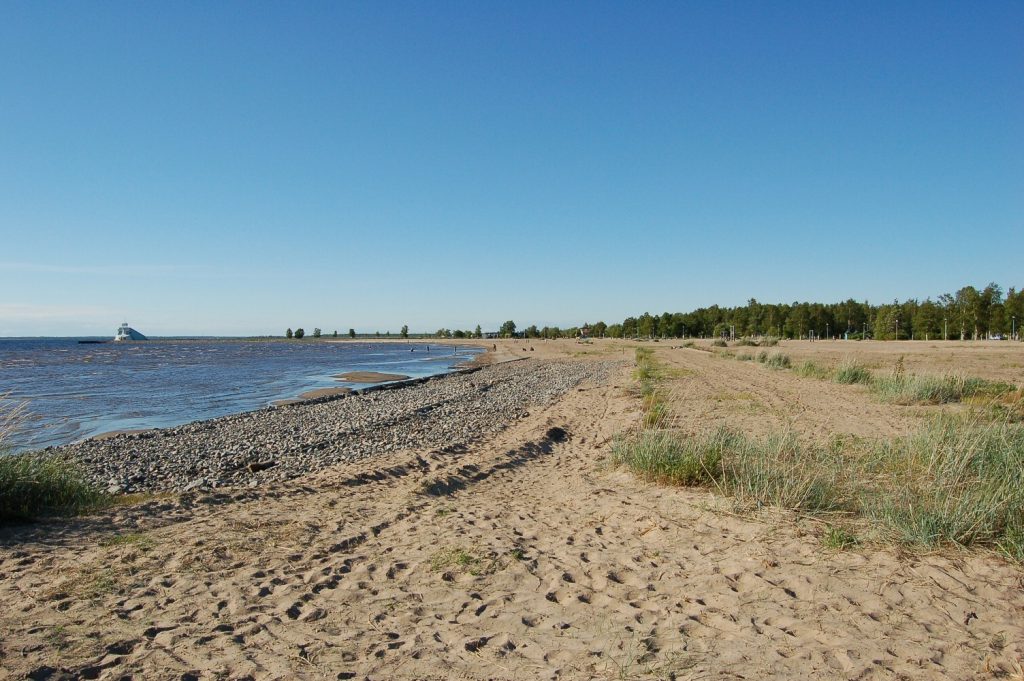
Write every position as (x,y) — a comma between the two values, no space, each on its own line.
(370,377)
(312,395)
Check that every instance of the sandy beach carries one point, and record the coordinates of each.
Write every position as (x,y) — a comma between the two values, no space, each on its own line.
(519,554)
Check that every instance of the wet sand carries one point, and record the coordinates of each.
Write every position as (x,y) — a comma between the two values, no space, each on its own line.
(370,377)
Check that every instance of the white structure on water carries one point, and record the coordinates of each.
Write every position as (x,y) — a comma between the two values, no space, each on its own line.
(127,333)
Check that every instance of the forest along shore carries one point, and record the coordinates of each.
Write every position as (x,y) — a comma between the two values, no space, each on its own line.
(271,445)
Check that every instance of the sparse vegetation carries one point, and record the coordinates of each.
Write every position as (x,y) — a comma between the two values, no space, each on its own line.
(838,538)
(139,540)
(649,373)
(452,557)
(744,357)
(719,343)
(958,481)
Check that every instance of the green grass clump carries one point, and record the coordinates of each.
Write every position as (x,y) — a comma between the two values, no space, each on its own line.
(957,481)
(34,485)
(773,471)
(778,470)
(749,342)
(769,342)
(776,360)
(719,343)
(811,369)
(663,456)
(850,372)
(902,388)
(745,357)
(838,538)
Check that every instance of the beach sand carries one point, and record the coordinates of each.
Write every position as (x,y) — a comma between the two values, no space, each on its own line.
(525,556)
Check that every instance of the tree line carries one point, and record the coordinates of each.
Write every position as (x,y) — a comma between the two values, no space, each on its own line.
(968,314)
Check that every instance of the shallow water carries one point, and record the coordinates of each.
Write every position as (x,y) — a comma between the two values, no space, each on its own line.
(72,391)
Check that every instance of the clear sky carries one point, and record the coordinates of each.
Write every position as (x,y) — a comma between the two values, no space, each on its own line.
(238,168)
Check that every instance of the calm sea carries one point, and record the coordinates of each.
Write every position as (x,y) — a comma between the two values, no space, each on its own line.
(73,390)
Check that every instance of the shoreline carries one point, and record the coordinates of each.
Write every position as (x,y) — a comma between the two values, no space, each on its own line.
(315,396)
(279,443)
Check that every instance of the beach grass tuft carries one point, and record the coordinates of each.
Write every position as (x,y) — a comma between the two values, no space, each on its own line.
(811,369)
(850,372)
(775,471)
(34,484)
(922,389)
(662,456)
(775,360)
(956,481)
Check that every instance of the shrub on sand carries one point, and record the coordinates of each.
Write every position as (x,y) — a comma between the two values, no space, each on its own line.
(719,343)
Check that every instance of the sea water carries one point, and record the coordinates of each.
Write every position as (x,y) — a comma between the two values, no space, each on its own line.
(71,391)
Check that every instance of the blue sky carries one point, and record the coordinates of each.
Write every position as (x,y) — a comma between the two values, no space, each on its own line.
(237,168)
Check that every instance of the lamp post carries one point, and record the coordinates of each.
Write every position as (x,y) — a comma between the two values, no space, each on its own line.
(826,331)
(945,329)
(897,328)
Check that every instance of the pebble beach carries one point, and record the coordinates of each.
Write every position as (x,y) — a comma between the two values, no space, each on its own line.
(284,442)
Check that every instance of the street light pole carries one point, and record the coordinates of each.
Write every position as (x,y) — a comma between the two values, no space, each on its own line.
(945,329)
